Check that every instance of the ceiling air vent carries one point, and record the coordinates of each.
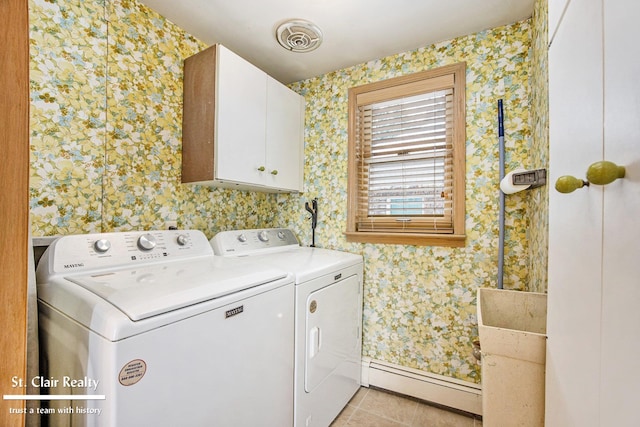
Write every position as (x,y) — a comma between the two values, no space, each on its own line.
(299,35)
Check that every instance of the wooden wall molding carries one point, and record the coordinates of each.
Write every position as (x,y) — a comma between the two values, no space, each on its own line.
(14,200)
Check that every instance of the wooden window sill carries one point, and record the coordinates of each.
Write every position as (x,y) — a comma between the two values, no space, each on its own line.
(417,239)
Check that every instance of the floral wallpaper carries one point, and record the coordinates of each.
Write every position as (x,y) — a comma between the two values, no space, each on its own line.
(106,118)
(538,207)
(68,86)
(420,306)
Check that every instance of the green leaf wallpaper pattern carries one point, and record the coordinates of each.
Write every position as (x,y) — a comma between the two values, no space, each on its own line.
(419,308)
(106,113)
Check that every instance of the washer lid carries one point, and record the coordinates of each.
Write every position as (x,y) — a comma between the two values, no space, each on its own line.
(145,292)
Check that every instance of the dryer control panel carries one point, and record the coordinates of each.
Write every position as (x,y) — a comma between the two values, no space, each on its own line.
(88,252)
(248,242)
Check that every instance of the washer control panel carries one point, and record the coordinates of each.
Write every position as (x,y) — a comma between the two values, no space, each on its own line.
(85,252)
(247,242)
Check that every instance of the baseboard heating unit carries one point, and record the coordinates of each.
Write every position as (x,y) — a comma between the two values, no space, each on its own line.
(451,392)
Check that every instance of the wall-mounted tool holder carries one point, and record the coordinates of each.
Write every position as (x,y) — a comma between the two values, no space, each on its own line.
(532,178)
(521,179)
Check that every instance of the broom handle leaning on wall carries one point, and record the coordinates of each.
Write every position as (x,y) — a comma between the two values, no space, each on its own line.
(502,208)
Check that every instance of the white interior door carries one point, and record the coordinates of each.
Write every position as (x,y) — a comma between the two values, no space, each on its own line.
(620,377)
(594,233)
(575,220)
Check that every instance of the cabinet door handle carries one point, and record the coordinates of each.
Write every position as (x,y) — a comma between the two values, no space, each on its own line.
(274,172)
(599,173)
(261,168)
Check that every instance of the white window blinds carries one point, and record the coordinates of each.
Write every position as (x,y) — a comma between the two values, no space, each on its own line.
(404,163)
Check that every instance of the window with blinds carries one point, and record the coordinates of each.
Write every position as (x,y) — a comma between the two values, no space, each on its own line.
(406,158)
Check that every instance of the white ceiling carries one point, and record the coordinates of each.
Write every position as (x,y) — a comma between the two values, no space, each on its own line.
(355,31)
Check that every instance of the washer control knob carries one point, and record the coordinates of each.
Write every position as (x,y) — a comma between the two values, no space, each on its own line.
(102,245)
(146,242)
(281,235)
(263,236)
(182,239)
(242,238)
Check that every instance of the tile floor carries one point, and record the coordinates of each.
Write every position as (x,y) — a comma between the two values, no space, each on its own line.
(372,407)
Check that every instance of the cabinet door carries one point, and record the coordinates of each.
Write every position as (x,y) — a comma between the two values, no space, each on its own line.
(240,120)
(285,146)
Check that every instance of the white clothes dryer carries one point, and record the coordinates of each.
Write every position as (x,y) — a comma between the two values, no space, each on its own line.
(151,329)
(328,316)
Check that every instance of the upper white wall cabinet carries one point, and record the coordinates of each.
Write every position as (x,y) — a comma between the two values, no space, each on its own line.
(242,129)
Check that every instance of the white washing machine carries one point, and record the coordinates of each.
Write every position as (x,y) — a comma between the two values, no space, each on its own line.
(151,329)
(328,294)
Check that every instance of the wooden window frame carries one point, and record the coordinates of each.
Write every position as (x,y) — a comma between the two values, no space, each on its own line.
(394,88)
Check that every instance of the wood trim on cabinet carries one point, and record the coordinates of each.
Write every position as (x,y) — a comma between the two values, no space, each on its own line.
(198,117)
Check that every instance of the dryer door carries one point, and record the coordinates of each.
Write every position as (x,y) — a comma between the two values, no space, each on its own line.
(332,330)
